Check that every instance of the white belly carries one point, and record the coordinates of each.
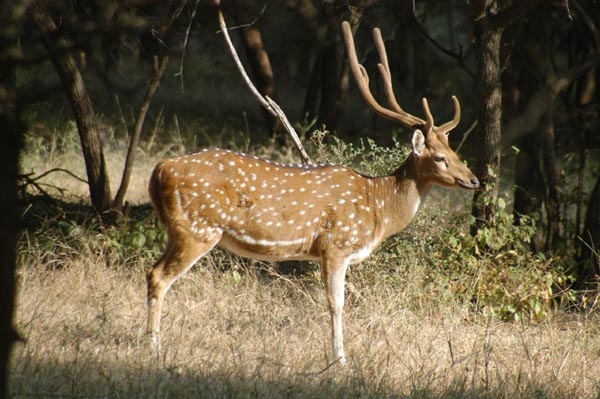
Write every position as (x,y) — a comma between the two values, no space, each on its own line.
(265,250)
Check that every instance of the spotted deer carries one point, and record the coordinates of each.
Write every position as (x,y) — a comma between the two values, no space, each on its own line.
(270,211)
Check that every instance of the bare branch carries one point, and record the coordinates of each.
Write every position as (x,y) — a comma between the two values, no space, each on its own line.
(512,13)
(460,58)
(466,134)
(588,22)
(288,126)
(267,103)
(158,70)
(185,42)
(544,98)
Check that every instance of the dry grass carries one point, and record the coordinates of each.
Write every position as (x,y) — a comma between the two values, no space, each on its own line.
(256,334)
(73,161)
(249,332)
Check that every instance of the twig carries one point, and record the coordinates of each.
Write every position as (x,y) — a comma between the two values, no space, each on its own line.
(330,365)
(458,57)
(451,351)
(568,10)
(266,102)
(157,125)
(28,180)
(185,42)
(251,23)
(46,173)
(589,23)
(288,126)
(466,134)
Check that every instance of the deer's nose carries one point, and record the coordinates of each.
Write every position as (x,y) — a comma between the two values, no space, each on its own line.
(474,182)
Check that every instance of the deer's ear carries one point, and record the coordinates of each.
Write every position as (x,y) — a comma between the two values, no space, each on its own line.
(418,142)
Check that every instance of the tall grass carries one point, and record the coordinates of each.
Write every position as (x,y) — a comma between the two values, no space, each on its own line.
(234,328)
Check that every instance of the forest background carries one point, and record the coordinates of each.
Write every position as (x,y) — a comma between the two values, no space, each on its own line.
(93,93)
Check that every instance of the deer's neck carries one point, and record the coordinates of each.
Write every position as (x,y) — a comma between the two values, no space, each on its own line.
(399,197)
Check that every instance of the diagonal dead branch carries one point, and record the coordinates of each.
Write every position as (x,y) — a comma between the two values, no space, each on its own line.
(266,102)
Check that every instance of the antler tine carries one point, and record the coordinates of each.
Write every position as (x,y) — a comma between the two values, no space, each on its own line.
(378,39)
(429,124)
(446,127)
(364,73)
(362,81)
(384,70)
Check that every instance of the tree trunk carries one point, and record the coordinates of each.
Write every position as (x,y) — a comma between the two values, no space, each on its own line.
(489,18)
(10,126)
(83,110)
(158,70)
(262,71)
(590,254)
(331,71)
(537,181)
(552,179)
(528,193)
(586,89)
(9,154)
(487,48)
(310,110)
(335,71)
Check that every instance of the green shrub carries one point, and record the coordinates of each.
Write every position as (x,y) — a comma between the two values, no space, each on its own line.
(54,238)
(496,271)
(366,155)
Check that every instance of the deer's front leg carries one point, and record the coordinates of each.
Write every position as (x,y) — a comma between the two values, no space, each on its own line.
(334,274)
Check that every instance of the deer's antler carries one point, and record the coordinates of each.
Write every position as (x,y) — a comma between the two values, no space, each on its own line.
(396,113)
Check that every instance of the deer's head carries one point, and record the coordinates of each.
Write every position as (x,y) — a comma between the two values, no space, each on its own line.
(436,162)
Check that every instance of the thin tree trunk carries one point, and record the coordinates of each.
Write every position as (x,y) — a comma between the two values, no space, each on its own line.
(310,110)
(590,257)
(552,179)
(330,86)
(335,71)
(487,48)
(158,70)
(83,110)
(528,192)
(260,65)
(586,91)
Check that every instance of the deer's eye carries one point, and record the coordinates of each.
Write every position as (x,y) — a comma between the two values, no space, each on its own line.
(439,158)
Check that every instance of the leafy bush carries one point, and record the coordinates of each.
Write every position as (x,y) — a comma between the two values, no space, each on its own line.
(496,271)
(366,155)
(54,238)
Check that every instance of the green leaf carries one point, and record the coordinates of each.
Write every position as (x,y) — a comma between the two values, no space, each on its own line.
(236,276)
(501,203)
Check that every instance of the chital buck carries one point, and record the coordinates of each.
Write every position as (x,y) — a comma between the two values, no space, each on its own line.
(270,211)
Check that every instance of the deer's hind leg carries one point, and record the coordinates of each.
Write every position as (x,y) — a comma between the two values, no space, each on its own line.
(183,250)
